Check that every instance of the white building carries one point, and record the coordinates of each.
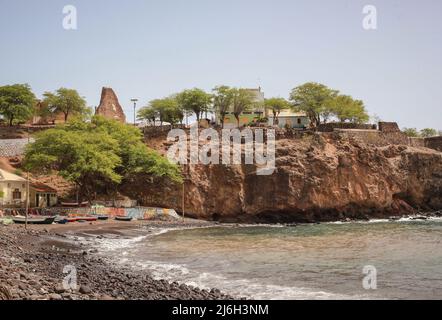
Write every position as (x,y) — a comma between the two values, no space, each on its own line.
(290,119)
(12,189)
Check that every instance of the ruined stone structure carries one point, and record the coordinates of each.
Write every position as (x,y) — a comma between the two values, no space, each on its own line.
(331,126)
(109,106)
(416,142)
(388,134)
(40,118)
(389,127)
(434,143)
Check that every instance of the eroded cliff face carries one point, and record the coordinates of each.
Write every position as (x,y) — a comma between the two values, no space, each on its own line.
(319,178)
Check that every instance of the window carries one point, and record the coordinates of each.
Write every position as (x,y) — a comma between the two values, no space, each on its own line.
(16,195)
(299,120)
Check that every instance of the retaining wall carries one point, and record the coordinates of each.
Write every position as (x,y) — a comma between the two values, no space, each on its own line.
(434,143)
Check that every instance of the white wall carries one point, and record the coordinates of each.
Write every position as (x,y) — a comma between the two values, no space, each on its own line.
(8,188)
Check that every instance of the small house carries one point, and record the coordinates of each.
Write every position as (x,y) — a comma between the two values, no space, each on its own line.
(42,196)
(13,192)
(12,189)
(290,119)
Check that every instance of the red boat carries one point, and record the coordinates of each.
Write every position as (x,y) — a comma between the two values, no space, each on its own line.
(76,219)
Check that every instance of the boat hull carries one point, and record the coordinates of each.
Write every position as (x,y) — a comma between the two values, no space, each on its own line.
(44,220)
(126,219)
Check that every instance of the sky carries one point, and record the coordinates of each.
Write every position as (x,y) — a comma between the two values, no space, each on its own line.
(150,49)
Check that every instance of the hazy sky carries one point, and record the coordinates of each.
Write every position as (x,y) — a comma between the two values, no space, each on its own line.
(150,49)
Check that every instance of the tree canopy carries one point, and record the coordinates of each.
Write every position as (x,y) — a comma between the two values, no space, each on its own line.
(165,110)
(194,100)
(67,101)
(222,101)
(320,103)
(17,103)
(276,105)
(345,108)
(424,133)
(243,100)
(411,132)
(314,99)
(428,132)
(97,155)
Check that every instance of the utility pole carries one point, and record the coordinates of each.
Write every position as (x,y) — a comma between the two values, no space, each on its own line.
(27,192)
(184,181)
(135,108)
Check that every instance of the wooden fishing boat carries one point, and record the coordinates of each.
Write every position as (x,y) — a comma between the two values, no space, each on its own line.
(123,218)
(75,204)
(103,217)
(33,220)
(85,219)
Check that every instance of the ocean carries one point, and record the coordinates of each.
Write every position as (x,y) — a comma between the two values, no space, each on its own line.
(311,261)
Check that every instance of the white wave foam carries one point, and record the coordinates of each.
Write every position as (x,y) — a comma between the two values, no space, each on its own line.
(403,219)
(239,287)
(113,244)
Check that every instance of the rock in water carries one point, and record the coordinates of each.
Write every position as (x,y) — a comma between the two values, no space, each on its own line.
(109,106)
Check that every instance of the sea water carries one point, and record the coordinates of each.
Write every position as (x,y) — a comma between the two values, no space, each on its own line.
(324,261)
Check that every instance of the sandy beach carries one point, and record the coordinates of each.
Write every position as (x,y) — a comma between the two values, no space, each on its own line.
(32,262)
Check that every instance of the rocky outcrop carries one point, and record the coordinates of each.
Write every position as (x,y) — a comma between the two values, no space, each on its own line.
(318,178)
(109,106)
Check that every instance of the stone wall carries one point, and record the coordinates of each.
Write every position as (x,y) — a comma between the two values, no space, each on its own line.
(331,126)
(434,143)
(416,142)
(375,137)
(389,127)
(13,147)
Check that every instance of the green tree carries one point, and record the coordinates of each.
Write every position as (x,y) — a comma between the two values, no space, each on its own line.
(194,100)
(17,103)
(314,99)
(171,110)
(411,132)
(66,101)
(243,100)
(96,156)
(276,105)
(345,108)
(166,110)
(148,113)
(428,132)
(222,101)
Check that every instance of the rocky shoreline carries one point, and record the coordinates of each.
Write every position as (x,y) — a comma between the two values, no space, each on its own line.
(32,263)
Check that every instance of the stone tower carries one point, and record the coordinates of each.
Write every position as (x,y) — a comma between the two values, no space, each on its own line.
(109,106)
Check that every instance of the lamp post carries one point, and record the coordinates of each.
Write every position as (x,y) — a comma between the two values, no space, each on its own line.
(27,191)
(135,107)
